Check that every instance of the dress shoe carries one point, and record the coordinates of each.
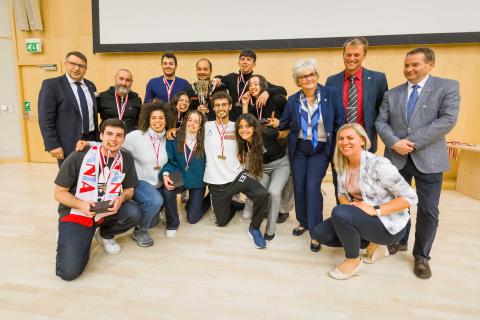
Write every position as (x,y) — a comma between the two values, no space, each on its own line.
(282,217)
(315,247)
(268,237)
(337,274)
(377,252)
(422,268)
(298,231)
(394,248)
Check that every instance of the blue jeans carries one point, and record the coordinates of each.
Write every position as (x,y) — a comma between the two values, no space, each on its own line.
(150,200)
(196,206)
(75,240)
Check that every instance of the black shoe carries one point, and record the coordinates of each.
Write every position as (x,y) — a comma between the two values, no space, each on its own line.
(422,268)
(394,248)
(268,237)
(298,231)
(237,206)
(315,247)
(282,217)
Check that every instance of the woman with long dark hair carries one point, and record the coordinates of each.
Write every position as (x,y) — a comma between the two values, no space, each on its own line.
(186,155)
(179,105)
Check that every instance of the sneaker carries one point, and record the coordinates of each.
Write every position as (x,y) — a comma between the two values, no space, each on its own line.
(110,246)
(257,237)
(268,237)
(170,233)
(143,238)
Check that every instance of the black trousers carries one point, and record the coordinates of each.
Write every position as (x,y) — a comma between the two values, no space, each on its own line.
(75,240)
(221,196)
(351,228)
(428,187)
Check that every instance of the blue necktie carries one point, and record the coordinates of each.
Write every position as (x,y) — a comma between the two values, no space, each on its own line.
(412,101)
(84,108)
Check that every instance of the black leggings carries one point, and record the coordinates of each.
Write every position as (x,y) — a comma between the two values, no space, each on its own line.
(351,228)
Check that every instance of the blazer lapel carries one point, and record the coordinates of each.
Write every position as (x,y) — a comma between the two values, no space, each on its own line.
(323,106)
(67,88)
(367,81)
(340,79)
(424,94)
(403,101)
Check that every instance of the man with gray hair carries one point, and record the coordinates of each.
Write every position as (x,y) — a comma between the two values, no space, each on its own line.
(120,102)
(412,122)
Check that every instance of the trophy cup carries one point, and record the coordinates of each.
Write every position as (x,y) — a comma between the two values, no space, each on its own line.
(203,89)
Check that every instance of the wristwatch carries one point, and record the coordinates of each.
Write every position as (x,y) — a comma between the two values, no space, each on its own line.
(378,210)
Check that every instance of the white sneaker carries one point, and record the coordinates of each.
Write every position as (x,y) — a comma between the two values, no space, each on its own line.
(170,233)
(110,246)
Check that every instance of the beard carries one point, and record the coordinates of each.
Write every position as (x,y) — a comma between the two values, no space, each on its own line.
(122,90)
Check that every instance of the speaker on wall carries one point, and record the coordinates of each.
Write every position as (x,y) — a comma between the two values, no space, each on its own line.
(34,16)
(20,12)
(27,15)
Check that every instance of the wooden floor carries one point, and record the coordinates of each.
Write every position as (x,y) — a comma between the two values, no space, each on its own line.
(207,272)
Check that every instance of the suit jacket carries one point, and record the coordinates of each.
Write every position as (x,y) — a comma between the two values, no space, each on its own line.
(332,114)
(435,114)
(59,114)
(374,85)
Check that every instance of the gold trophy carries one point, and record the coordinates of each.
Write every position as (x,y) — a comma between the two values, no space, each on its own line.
(203,89)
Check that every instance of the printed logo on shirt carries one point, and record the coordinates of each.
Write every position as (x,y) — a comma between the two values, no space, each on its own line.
(209,133)
(242,178)
(230,135)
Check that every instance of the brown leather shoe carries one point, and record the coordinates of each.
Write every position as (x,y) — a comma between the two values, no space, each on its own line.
(422,268)
(394,248)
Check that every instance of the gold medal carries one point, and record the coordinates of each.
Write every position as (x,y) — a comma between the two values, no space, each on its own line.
(157,167)
(104,188)
(221,156)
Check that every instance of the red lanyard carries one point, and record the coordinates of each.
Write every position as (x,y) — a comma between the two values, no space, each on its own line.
(104,163)
(169,87)
(240,77)
(222,136)
(155,148)
(189,158)
(121,109)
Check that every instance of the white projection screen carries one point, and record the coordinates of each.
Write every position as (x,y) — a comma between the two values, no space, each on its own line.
(196,25)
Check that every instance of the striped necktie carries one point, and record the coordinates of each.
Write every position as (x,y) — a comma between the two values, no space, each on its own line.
(352,101)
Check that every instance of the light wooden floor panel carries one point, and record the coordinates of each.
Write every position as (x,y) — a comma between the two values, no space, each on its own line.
(207,272)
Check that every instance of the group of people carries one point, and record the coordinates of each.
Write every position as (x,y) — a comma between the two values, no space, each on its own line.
(239,134)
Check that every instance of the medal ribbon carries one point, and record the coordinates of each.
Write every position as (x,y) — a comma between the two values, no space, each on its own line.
(240,79)
(121,109)
(156,149)
(104,163)
(222,135)
(169,87)
(189,158)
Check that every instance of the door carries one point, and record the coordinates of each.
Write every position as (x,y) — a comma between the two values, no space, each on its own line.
(34,75)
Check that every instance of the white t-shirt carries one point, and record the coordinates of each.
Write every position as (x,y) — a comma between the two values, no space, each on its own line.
(221,171)
(140,145)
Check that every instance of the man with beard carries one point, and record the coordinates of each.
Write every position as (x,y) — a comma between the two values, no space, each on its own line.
(120,102)
(165,87)
(237,85)
(204,74)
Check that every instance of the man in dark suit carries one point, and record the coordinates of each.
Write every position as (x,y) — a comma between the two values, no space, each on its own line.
(363,99)
(412,122)
(67,108)
(361,90)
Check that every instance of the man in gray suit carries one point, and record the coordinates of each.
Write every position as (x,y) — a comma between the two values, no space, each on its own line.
(412,122)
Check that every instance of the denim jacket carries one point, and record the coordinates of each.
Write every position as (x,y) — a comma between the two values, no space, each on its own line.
(380,182)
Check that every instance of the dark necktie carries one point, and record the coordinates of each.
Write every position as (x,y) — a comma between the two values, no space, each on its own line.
(352,101)
(412,101)
(84,108)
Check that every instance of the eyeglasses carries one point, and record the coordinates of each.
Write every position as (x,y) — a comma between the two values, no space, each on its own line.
(80,66)
(308,76)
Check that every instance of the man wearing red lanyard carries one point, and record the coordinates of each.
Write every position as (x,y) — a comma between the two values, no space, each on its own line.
(237,84)
(120,102)
(99,173)
(166,86)
(224,173)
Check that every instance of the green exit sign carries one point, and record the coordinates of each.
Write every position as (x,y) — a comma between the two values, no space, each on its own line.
(33,45)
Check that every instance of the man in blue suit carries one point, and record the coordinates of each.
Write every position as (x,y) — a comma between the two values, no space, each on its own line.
(361,90)
(67,108)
